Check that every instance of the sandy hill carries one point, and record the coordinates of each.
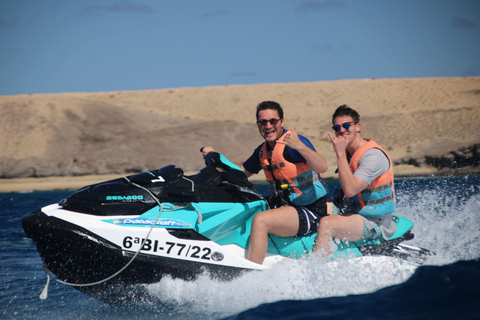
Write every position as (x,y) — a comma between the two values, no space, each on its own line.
(430,123)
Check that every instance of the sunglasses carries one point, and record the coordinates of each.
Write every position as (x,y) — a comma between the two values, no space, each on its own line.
(264,122)
(345,125)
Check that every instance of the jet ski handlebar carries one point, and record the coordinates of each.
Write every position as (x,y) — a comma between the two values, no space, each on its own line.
(231,172)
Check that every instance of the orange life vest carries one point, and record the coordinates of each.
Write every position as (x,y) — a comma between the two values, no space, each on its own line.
(378,199)
(298,181)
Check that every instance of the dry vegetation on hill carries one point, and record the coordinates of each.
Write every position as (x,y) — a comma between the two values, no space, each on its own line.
(425,124)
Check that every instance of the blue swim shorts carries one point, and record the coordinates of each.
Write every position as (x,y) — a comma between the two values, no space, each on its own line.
(309,216)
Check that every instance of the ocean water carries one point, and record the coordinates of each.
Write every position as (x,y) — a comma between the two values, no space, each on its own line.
(446,213)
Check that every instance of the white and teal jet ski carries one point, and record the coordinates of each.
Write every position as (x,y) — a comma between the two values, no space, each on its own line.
(131,231)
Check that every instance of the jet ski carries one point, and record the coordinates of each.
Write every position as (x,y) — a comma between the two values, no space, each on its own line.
(110,239)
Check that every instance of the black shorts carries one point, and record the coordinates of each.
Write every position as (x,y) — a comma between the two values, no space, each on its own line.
(309,216)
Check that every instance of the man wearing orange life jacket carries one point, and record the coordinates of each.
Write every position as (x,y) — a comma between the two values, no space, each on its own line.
(366,179)
(293,167)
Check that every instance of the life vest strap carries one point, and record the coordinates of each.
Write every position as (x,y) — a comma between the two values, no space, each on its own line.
(267,168)
(314,177)
(273,167)
(383,187)
(376,201)
(310,181)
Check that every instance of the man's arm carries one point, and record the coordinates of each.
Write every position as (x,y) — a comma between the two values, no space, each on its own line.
(350,185)
(247,173)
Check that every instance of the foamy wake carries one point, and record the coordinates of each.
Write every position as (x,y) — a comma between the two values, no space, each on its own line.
(445,222)
(308,278)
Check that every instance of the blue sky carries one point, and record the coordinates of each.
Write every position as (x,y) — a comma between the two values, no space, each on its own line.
(52,46)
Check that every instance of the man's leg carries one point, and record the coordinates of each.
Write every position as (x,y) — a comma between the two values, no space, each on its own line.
(282,222)
(346,227)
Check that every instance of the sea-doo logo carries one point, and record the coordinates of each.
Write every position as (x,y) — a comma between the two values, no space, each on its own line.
(125,198)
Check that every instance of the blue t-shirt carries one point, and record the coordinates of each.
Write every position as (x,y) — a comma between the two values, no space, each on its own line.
(253,165)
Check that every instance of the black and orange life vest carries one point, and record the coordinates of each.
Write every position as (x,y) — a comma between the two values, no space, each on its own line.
(302,185)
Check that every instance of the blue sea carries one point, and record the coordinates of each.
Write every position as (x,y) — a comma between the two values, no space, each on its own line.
(446,213)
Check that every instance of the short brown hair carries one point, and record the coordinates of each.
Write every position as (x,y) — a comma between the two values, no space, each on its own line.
(270,105)
(345,110)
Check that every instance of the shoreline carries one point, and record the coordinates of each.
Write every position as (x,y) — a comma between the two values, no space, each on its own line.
(59,183)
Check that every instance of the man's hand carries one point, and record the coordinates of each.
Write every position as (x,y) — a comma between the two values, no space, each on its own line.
(292,140)
(206,150)
(313,159)
(340,143)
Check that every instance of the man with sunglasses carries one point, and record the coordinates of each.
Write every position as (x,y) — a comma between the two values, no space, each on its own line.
(293,168)
(366,176)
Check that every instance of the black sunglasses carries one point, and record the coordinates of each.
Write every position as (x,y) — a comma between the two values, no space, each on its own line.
(264,122)
(345,125)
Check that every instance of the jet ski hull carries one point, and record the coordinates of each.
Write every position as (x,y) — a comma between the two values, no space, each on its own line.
(85,260)
(110,239)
